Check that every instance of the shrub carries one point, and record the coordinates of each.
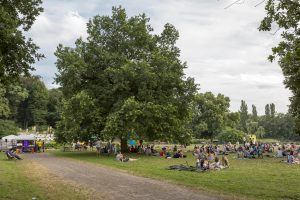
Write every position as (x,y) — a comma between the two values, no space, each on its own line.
(231,135)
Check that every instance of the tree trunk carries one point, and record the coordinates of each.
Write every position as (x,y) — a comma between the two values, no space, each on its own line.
(124,148)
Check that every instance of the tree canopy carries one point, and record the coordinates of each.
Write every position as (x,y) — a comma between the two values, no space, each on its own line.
(17,54)
(284,15)
(130,78)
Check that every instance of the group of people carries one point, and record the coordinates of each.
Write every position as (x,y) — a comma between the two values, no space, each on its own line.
(208,158)
(290,151)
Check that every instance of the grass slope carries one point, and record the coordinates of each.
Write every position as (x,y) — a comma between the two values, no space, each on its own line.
(266,178)
(24,179)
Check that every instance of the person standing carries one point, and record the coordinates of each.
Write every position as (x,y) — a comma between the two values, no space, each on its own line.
(98,147)
(43,145)
(244,141)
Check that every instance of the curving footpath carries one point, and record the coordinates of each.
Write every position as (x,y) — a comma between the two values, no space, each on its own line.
(112,184)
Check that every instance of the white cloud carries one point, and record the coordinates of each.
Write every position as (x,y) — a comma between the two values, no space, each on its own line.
(223,48)
(49,31)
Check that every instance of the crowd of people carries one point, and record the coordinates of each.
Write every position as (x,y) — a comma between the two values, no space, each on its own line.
(208,156)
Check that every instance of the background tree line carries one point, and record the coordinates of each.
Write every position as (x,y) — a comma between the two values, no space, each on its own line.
(28,103)
(125,81)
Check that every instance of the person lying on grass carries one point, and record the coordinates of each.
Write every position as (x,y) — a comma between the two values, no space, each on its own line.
(123,158)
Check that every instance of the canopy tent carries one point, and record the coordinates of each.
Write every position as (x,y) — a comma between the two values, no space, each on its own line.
(10,137)
(26,137)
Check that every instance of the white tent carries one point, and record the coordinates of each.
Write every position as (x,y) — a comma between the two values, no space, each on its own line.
(25,137)
(8,142)
(10,137)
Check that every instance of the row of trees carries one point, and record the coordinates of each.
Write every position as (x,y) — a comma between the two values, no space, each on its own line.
(270,125)
(28,103)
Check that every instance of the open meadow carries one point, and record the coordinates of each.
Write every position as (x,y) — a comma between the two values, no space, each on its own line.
(267,178)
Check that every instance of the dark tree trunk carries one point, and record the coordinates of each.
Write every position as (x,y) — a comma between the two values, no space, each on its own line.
(124,148)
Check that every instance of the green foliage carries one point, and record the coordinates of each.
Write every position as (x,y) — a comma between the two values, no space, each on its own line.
(231,135)
(282,126)
(33,110)
(267,111)
(52,145)
(254,113)
(272,110)
(15,94)
(80,118)
(126,81)
(17,54)
(7,127)
(233,119)
(54,107)
(4,106)
(210,114)
(285,16)
(260,133)
(243,116)
(252,126)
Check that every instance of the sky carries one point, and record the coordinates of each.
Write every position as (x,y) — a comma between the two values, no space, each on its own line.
(223,48)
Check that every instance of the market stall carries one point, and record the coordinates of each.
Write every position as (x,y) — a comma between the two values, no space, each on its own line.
(26,143)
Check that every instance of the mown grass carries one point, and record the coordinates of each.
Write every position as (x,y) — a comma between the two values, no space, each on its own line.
(267,178)
(20,180)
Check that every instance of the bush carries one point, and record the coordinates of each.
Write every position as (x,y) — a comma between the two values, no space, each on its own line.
(7,127)
(52,145)
(231,135)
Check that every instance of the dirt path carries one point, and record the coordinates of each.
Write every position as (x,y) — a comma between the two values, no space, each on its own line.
(112,184)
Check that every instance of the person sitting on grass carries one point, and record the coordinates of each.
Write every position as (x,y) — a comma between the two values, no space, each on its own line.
(121,157)
(211,156)
(284,151)
(10,153)
(279,153)
(196,151)
(290,158)
(202,164)
(216,165)
(179,154)
(240,153)
(201,154)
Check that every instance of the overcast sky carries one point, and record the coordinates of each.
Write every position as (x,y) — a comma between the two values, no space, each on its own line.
(224,50)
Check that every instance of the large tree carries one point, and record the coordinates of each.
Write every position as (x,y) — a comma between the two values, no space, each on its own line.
(133,78)
(17,54)
(284,16)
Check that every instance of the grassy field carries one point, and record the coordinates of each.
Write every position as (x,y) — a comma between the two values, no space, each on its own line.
(267,178)
(24,179)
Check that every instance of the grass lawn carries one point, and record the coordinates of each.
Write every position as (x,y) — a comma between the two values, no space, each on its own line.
(23,179)
(266,178)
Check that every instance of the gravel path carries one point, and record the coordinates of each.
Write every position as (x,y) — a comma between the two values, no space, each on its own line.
(113,184)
